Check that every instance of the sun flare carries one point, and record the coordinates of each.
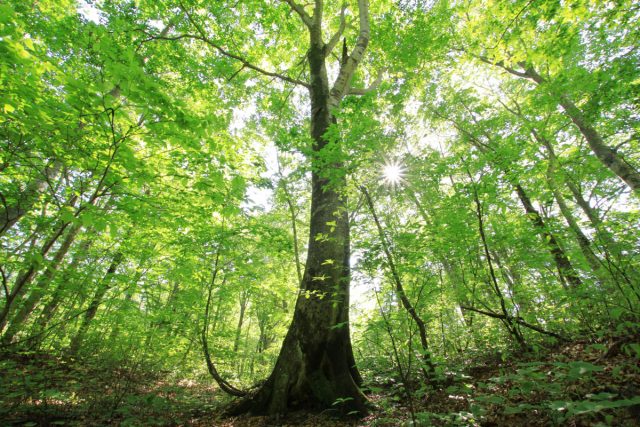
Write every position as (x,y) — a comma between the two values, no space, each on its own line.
(393,173)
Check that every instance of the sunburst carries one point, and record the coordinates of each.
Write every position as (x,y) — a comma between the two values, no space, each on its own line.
(393,173)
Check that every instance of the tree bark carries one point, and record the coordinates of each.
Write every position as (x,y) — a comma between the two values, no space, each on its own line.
(565,268)
(315,367)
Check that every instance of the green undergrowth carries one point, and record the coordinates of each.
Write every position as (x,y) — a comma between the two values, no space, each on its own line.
(585,383)
(37,389)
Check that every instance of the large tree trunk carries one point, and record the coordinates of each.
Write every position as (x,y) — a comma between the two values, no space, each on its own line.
(315,365)
(315,368)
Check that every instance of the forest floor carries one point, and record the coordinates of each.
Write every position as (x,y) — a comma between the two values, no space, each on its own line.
(582,383)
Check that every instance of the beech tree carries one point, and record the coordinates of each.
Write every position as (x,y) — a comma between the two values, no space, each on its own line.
(316,367)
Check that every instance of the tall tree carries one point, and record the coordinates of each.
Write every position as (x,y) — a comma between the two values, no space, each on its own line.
(316,367)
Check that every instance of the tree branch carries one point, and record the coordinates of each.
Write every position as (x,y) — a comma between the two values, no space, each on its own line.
(328,48)
(518,320)
(300,11)
(373,86)
(317,15)
(501,64)
(201,36)
(347,69)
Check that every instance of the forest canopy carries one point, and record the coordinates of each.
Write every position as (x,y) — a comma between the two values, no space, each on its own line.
(397,211)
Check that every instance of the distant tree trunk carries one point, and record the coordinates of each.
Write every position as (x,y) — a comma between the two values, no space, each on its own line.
(59,292)
(204,336)
(610,249)
(26,276)
(507,318)
(41,287)
(10,214)
(512,280)
(294,227)
(92,310)
(607,156)
(583,241)
(452,274)
(244,300)
(428,368)
(565,268)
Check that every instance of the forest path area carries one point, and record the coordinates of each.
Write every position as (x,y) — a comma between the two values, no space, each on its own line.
(582,383)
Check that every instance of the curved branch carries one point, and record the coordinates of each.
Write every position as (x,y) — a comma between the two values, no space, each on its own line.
(373,86)
(343,81)
(518,320)
(224,384)
(203,38)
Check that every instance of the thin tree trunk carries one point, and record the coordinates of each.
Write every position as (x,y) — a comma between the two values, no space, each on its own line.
(244,300)
(507,318)
(565,268)
(583,241)
(611,247)
(222,383)
(10,214)
(50,307)
(449,269)
(91,312)
(42,286)
(294,220)
(429,367)
(607,156)
(25,278)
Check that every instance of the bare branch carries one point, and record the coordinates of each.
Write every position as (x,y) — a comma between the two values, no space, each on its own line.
(373,86)
(518,320)
(328,48)
(501,64)
(202,36)
(300,11)
(347,69)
